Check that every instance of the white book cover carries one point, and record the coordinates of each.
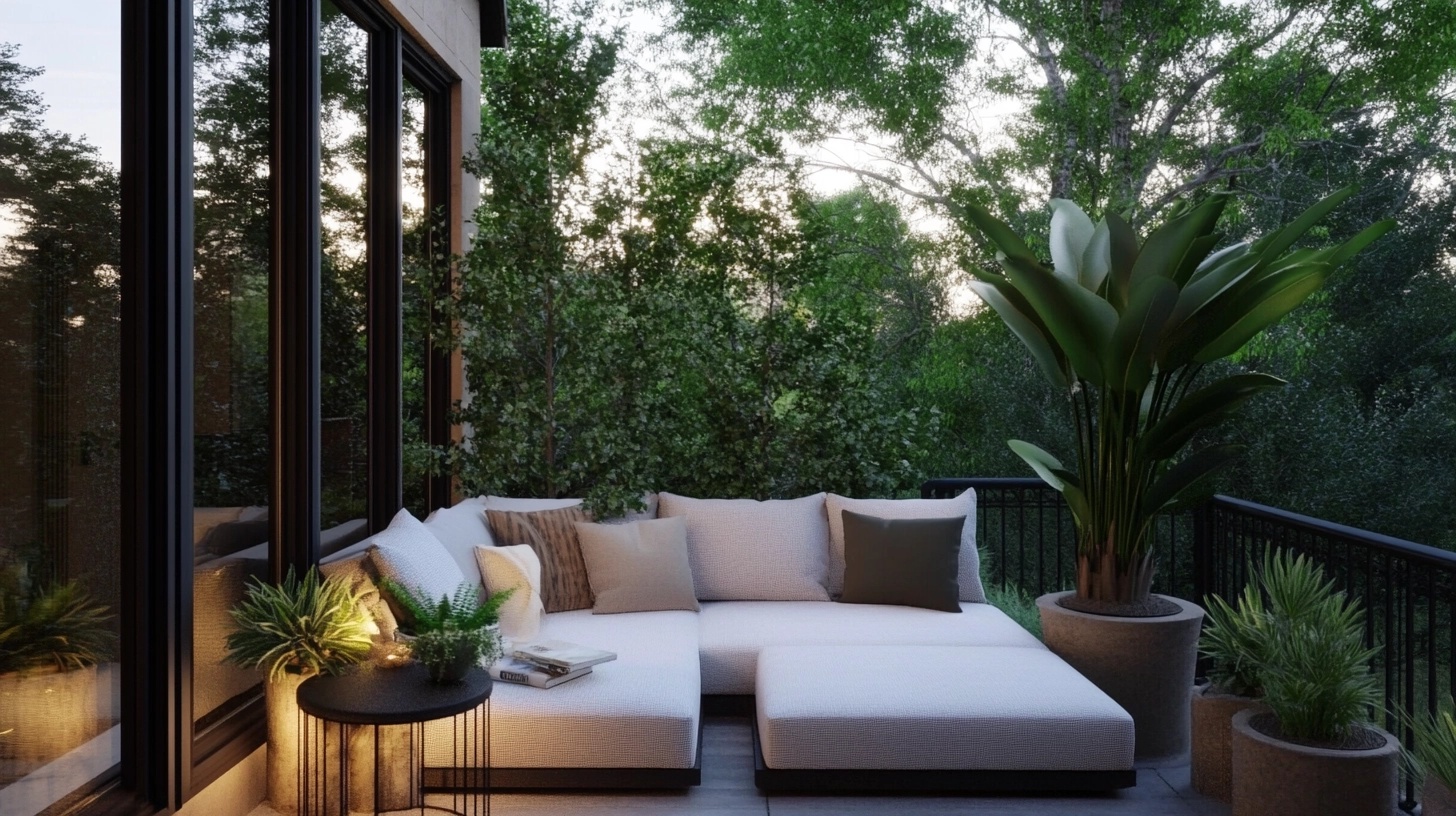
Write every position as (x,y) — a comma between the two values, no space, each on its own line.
(571,656)
(511,670)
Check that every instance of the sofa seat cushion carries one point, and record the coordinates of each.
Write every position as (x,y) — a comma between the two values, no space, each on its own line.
(638,711)
(935,708)
(731,633)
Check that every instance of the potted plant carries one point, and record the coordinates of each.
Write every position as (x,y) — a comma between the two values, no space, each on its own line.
(1125,328)
(293,631)
(51,640)
(1311,754)
(1282,589)
(1433,757)
(453,634)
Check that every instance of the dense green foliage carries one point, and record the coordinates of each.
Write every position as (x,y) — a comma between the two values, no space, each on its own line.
(694,324)
(747,335)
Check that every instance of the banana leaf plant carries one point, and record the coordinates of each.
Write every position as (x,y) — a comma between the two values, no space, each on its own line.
(1126,328)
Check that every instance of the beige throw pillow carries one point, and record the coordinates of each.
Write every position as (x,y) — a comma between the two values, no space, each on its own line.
(504,568)
(552,534)
(641,566)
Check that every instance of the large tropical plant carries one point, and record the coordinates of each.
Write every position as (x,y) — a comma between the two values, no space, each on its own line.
(1126,328)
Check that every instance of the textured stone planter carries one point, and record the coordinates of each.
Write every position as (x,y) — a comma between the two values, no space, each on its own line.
(1277,778)
(281,700)
(1436,798)
(44,714)
(1211,765)
(1145,664)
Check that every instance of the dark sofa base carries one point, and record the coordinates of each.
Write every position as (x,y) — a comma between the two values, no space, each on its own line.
(836,781)
(509,779)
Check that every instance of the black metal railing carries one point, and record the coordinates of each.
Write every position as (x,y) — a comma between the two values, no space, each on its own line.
(1408,590)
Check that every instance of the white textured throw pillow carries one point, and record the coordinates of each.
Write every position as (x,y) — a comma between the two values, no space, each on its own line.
(962,505)
(745,550)
(517,566)
(461,529)
(408,553)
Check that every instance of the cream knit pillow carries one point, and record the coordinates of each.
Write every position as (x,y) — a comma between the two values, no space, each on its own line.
(503,568)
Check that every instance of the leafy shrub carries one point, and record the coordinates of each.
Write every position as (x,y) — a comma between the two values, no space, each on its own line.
(1018,604)
(313,626)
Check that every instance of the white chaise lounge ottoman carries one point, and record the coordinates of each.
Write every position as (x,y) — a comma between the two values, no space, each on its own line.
(903,717)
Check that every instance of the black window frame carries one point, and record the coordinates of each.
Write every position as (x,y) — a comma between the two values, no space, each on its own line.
(164,760)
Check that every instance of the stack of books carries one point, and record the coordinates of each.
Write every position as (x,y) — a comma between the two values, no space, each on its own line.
(547,663)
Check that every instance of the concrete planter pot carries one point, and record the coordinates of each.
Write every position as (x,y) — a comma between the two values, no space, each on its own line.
(280,698)
(44,714)
(1436,798)
(1272,777)
(1211,765)
(1145,664)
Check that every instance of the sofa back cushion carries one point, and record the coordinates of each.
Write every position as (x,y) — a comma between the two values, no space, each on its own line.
(552,534)
(969,576)
(742,549)
(407,553)
(461,529)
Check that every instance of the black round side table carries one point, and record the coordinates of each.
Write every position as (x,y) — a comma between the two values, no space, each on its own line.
(403,696)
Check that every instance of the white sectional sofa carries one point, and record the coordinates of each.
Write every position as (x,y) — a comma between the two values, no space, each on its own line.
(635,722)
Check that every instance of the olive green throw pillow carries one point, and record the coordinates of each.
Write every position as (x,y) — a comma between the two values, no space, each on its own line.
(904,562)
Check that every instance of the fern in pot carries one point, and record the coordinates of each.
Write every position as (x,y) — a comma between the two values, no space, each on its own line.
(293,631)
(454,633)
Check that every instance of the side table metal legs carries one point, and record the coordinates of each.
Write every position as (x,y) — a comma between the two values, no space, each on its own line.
(346,769)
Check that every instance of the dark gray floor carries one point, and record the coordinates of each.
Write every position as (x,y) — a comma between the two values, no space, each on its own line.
(728,790)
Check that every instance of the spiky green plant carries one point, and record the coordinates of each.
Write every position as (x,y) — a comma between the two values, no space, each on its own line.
(60,626)
(310,626)
(1434,750)
(1282,589)
(1018,604)
(1316,667)
(1125,328)
(462,611)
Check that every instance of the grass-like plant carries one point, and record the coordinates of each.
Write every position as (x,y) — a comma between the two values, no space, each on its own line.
(462,611)
(1316,674)
(60,626)
(1283,588)
(1434,751)
(1018,604)
(310,626)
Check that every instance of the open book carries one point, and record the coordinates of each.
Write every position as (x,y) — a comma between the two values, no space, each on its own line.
(569,656)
